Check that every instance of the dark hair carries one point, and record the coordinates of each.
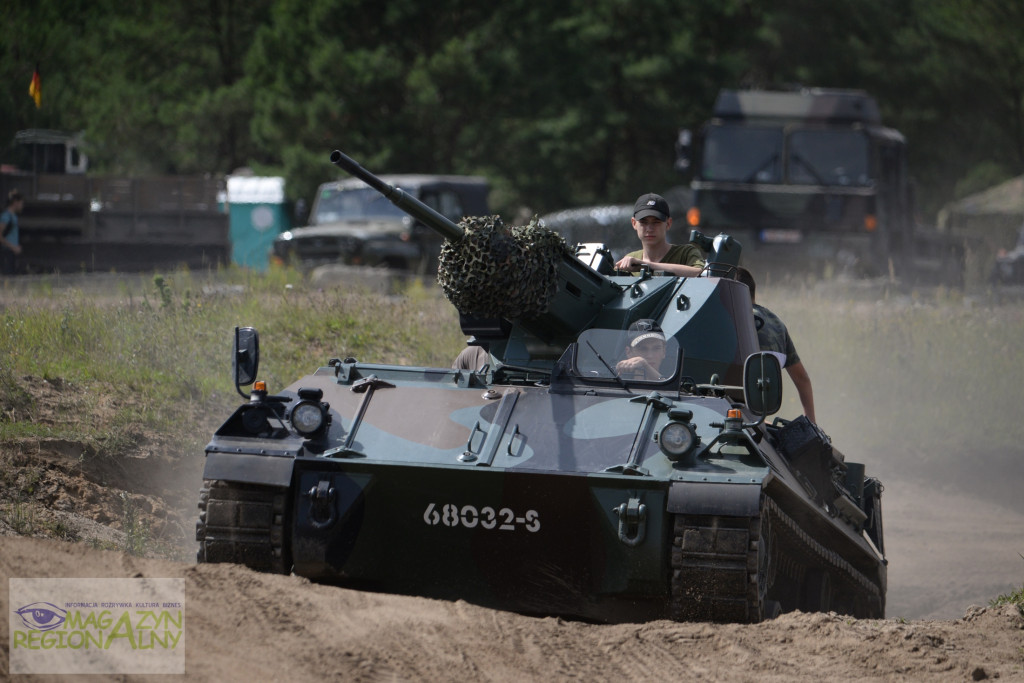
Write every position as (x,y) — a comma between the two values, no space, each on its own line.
(743,275)
(13,196)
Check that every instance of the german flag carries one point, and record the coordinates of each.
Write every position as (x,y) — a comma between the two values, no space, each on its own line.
(35,89)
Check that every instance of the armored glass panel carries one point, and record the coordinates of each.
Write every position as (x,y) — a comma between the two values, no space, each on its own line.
(606,354)
(828,157)
(745,154)
(338,205)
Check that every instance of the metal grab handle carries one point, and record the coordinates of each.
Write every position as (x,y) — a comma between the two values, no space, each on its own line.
(472,433)
(515,433)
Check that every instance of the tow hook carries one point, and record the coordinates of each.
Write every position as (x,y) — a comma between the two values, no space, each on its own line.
(322,513)
(632,522)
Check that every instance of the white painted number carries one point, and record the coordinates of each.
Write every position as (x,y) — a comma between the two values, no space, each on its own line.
(469,516)
(430,515)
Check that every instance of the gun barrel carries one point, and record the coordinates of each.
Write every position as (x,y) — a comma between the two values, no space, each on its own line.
(412,206)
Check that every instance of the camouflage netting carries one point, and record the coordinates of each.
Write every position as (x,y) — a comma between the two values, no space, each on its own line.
(498,271)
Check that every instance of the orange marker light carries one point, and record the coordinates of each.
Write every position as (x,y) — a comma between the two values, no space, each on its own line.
(870,222)
(693,217)
(734,412)
(259,386)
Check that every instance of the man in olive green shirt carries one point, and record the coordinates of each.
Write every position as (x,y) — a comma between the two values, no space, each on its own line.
(651,220)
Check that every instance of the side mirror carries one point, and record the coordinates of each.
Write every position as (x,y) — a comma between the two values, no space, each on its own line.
(245,360)
(762,383)
(726,250)
(701,240)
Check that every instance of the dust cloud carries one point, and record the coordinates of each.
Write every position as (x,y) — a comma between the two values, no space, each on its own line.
(922,392)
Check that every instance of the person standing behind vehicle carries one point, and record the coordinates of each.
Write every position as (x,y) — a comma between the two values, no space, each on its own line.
(9,247)
(772,335)
(651,220)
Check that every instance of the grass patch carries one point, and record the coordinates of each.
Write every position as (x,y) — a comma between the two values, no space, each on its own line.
(904,376)
(892,377)
(136,531)
(1012,598)
(163,354)
(20,517)
(61,530)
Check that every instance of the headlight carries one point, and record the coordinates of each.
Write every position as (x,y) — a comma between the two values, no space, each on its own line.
(677,439)
(307,417)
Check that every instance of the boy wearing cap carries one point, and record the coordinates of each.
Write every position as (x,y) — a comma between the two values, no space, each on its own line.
(645,351)
(651,220)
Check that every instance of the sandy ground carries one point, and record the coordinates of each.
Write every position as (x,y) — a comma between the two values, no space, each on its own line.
(242,625)
(947,551)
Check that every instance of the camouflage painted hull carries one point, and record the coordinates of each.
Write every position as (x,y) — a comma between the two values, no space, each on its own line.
(544,500)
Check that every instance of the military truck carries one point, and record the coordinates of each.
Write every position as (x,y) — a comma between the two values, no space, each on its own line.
(351,224)
(74,221)
(811,179)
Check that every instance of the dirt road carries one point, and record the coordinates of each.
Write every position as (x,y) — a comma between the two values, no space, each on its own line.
(242,625)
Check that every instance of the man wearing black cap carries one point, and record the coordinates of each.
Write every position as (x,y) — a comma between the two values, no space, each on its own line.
(651,220)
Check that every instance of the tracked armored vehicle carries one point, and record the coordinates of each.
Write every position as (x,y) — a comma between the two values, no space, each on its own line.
(552,478)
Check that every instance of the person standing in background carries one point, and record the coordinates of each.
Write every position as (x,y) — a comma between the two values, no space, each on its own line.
(10,249)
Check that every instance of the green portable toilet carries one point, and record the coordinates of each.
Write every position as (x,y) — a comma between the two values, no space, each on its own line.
(257,214)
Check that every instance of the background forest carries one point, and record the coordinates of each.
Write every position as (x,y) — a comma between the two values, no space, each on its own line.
(558,104)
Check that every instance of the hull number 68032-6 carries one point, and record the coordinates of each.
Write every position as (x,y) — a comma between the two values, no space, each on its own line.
(470,517)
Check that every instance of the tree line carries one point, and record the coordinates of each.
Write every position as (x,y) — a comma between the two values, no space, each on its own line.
(558,104)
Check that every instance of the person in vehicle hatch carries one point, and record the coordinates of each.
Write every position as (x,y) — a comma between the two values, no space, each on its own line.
(651,220)
(645,351)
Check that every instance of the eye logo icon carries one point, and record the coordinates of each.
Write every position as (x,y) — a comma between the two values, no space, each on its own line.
(41,616)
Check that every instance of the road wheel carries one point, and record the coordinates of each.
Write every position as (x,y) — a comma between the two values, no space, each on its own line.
(766,568)
(816,591)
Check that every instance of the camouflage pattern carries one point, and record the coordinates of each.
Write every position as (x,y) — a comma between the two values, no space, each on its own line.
(548,484)
(497,271)
(772,335)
